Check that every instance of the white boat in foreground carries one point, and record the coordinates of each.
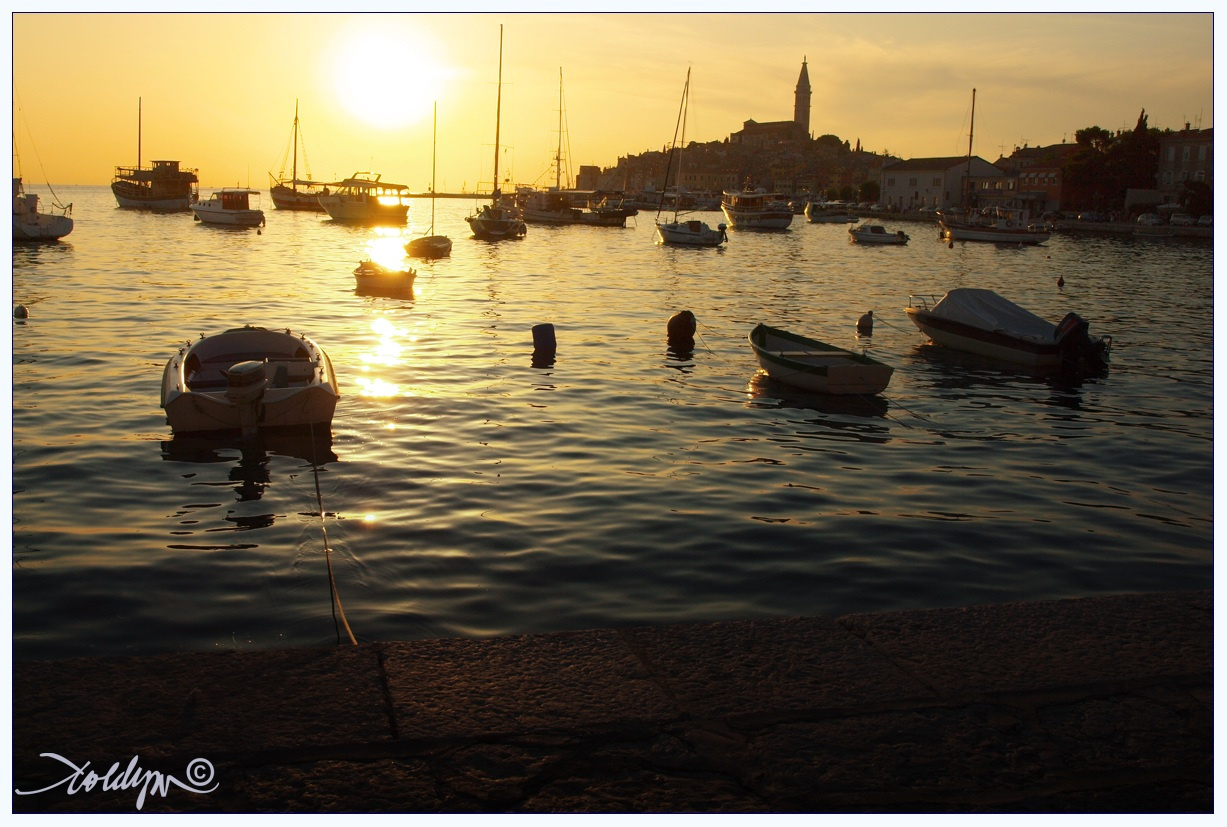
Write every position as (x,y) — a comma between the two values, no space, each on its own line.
(816,366)
(876,234)
(980,321)
(246,379)
(229,207)
(32,224)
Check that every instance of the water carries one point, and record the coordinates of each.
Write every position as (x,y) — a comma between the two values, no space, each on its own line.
(469,493)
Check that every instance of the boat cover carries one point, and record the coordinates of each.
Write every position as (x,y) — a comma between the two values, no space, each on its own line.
(987,310)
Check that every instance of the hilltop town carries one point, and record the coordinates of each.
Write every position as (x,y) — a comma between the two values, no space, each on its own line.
(1122,173)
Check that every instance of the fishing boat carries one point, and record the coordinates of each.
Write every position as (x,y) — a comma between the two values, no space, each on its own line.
(229,207)
(364,199)
(756,210)
(377,278)
(497,220)
(246,379)
(163,187)
(816,366)
(33,224)
(691,232)
(295,193)
(431,245)
(877,234)
(980,321)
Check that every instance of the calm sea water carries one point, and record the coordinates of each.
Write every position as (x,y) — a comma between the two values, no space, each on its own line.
(467,492)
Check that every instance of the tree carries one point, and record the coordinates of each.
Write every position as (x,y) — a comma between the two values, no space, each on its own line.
(871,191)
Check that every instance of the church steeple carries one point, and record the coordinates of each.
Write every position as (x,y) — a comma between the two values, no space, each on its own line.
(800,108)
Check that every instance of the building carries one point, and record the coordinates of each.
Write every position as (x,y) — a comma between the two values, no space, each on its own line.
(760,135)
(1186,156)
(938,183)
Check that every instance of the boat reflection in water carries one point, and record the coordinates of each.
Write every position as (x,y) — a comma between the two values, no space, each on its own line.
(249,476)
(843,416)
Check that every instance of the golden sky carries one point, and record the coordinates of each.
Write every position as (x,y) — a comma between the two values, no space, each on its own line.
(218,91)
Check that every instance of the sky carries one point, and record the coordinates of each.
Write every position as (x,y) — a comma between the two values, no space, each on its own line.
(218,91)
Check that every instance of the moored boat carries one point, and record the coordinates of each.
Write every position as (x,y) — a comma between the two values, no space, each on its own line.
(364,199)
(33,224)
(431,245)
(163,187)
(1003,225)
(497,220)
(828,212)
(877,234)
(247,379)
(374,277)
(559,207)
(229,207)
(756,210)
(980,321)
(816,366)
(295,193)
(691,232)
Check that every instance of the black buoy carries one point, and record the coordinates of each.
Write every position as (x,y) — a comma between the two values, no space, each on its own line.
(21,312)
(864,325)
(545,345)
(681,329)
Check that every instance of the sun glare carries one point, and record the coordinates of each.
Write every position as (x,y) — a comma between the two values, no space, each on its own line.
(386,79)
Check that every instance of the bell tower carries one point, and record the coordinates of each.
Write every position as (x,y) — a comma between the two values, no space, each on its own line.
(800,108)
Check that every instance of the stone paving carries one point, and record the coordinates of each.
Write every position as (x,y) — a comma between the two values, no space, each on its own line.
(1073,706)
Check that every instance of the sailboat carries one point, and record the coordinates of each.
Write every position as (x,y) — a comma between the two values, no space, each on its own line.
(295,193)
(431,245)
(559,206)
(999,223)
(691,233)
(496,221)
(30,223)
(161,188)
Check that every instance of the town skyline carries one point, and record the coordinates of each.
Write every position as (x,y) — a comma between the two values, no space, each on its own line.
(897,84)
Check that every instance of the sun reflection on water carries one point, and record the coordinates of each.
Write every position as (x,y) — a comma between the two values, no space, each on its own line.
(387,353)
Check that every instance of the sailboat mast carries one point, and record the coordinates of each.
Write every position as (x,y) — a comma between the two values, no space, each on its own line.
(498,113)
(138,133)
(677,186)
(294,171)
(558,154)
(970,135)
(434,144)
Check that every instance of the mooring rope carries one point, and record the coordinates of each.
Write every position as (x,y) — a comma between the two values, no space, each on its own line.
(334,595)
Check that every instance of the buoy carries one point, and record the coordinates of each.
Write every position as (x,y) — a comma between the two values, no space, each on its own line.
(681,328)
(864,325)
(544,345)
(21,312)
(1060,281)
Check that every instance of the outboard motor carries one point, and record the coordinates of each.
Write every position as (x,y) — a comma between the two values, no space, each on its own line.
(245,386)
(1078,349)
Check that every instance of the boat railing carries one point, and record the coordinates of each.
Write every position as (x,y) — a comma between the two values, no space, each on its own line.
(921,301)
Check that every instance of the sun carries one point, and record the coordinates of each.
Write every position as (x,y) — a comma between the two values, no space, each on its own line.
(387,79)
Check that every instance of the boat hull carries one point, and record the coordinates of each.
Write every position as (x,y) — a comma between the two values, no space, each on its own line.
(301,384)
(41,227)
(363,210)
(759,220)
(497,224)
(955,232)
(862,236)
(815,366)
(136,201)
(231,218)
(287,198)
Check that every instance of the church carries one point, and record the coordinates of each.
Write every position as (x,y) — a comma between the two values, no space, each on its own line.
(753,134)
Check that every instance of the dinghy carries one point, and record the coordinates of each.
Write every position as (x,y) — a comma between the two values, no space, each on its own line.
(247,379)
(816,366)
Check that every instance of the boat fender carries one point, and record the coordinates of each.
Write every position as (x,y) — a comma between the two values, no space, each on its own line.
(545,346)
(864,325)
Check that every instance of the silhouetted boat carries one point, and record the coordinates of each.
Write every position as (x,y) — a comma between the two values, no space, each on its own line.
(756,210)
(246,379)
(497,220)
(431,245)
(164,187)
(816,366)
(295,193)
(373,277)
(364,199)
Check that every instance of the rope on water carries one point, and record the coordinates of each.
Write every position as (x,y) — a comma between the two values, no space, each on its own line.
(335,597)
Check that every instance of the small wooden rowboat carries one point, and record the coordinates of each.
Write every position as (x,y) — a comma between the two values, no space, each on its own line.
(816,366)
(371,275)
